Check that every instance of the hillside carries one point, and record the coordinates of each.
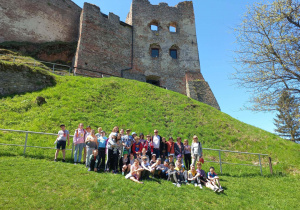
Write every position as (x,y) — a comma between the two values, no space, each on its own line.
(107,102)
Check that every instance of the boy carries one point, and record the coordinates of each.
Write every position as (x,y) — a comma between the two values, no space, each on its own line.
(180,168)
(144,154)
(116,155)
(212,176)
(173,175)
(147,169)
(171,159)
(93,161)
(192,176)
(62,137)
(102,141)
(127,141)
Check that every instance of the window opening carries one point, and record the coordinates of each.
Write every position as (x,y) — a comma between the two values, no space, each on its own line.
(172,29)
(173,53)
(155,52)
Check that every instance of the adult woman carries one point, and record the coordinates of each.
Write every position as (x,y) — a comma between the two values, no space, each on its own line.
(179,148)
(196,150)
(79,142)
(91,144)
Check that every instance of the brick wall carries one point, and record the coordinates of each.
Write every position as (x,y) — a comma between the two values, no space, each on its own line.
(39,20)
(104,42)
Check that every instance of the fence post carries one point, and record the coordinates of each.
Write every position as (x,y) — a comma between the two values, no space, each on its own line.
(260,164)
(14,59)
(220,161)
(25,143)
(53,67)
(270,164)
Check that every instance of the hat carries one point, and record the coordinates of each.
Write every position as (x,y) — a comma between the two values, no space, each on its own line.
(62,125)
(125,153)
(179,156)
(128,130)
(102,131)
(171,155)
(133,133)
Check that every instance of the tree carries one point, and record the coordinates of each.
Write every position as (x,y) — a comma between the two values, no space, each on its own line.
(288,117)
(268,54)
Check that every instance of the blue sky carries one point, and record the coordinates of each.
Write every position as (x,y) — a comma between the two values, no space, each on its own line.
(215,21)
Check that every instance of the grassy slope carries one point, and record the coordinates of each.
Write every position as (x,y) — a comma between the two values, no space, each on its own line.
(142,107)
(40,184)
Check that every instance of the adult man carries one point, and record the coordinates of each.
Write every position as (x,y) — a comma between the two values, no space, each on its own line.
(156,143)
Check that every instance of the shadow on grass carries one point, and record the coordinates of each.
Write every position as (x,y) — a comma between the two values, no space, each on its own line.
(277,174)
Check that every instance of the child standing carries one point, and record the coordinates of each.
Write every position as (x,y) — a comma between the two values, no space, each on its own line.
(63,136)
(170,146)
(102,141)
(79,142)
(91,144)
(187,154)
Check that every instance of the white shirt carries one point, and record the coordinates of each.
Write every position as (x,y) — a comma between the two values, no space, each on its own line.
(156,142)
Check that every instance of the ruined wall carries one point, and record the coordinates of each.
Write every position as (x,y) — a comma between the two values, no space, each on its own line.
(104,43)
(171,72)
(27,80)
(39,20)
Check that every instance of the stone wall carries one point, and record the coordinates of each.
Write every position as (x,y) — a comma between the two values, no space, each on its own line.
(200,91)
(170,72)
(104,43)
(39,20)
(16,79)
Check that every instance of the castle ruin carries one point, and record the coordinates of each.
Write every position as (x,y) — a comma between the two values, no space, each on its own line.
(156,44)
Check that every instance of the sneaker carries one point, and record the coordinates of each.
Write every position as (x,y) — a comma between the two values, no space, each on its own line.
(178,185)
(75,163)
(89,169)
(216,189)
(221,189)
(55,160)
(200,186)
(63,160)
(174,184)
(196,185)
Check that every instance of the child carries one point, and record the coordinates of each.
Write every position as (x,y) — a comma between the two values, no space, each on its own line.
(139,157)
(173,175)
(93,161)
(180,168)
(144,154)
(187,154)
(137,146)
(171,159)
(102,141)
(131,161)
(91,144)
(201,179)
(179,161)
(115,159)
(192,176)
(79,142)
(147,169)
(135,172)
(148,145)
(163,168)
(163,149)
(62,137)
(212,176)
(170,146)
(111,144)
(153,159)
(125,163)
(127,141)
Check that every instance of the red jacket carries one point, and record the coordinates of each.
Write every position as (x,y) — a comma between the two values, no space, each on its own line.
(171,147)
(147,145)
(136,148)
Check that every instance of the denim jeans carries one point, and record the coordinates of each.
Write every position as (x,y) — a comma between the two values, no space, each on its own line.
(157,152)
(78,149)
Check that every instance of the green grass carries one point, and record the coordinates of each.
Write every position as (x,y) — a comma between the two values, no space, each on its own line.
(40,184)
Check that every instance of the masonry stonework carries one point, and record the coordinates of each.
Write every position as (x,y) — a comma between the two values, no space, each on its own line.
(39,20)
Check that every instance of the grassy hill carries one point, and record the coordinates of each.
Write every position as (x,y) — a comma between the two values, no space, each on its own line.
(35,182)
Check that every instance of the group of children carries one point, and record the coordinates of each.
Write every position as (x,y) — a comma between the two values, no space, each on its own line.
(138,158)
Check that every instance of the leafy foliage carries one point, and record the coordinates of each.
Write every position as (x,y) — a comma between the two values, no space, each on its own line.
(288,119)
(268,52)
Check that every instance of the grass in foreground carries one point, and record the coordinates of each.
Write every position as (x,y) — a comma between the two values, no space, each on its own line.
(40,184)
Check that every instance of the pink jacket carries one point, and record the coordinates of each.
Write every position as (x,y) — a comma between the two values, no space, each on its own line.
(79,136)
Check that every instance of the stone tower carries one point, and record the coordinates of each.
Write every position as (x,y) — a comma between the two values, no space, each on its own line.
(157,44)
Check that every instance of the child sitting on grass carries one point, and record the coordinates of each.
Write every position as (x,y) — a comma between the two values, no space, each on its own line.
(135,172)
(144,154)
(153,159)
(212,176)
(63,136)
(162,169)
(93,161)
(147,168)
(192,176)
(173,175)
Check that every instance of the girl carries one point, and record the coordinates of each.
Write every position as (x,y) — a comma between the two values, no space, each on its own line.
(149,146)
(142,140)
(91,144)
(179,148)
(171,149)
(78,141)
(196,150)
(135,172)
(153,159)
(187,154)
(125,163)
(111,144)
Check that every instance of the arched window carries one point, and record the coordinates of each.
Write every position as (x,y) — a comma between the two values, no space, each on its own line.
(173,27)
(153,25)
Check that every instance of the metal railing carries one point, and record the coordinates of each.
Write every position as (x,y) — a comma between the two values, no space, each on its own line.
(26,139)
(248,153)
(220,162)
(36,63)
